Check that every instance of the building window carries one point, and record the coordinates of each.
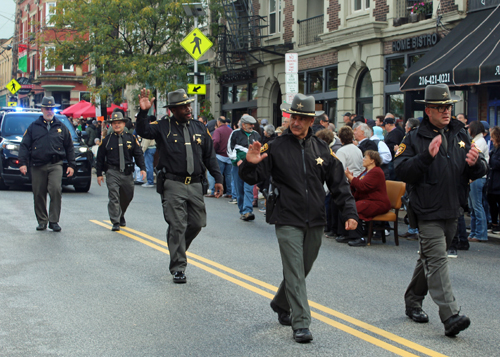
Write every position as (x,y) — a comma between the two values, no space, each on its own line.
(68,68)
(302,82)
(254,92)
(85,96)
(50,9)
(415,58)
(47,65)
(331,79)
(361,5)
(241,93)
(364,100)
(395,68)
(315,81)
(274,16)
(396,104)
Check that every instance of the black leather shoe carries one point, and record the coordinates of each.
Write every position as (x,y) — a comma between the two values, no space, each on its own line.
(41,227)
(55,227)
(455,324)
(360,242)
(342,239)
(283,315)
(417,314)
(179,277)
(302,335)
(116,227)
(123,223)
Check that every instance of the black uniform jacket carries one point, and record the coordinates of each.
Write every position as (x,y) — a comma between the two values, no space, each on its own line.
(299,173)
(108,152)
(169,137)
(44,145)
(394,137)
(493,181)
(438,185)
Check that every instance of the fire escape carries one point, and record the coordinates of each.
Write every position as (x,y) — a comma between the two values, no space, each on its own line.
(241,40)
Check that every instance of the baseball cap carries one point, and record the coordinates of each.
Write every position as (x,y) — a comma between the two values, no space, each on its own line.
(389,121)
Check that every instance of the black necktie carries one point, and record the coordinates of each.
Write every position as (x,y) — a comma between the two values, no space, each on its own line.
(444,141)
(121,152)
(48,126)
(189,150)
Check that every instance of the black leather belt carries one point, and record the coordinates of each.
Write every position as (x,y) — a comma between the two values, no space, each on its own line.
(114,167)
(184,179)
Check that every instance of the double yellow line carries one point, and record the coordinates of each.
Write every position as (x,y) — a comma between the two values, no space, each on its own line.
(239,278)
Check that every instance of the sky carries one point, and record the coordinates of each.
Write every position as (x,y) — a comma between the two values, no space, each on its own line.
(7,12)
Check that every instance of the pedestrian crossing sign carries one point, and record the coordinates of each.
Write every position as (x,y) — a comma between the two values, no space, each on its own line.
(13,86)
(197,89)
(196,43)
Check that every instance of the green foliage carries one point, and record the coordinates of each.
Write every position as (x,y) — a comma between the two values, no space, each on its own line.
(126,42)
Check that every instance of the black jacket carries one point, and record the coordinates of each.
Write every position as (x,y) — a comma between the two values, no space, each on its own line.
(169,137)
(44,146)
(438,185)
(394,138)
(299,173)
(108,152)
(493,181)
(367,144)
(238,143)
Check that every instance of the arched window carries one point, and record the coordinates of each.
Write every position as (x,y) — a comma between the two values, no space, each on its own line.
(364,95)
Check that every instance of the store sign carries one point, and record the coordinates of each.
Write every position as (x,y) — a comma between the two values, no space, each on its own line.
(414,43)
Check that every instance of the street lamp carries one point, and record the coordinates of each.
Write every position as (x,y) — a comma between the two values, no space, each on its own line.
(195,10)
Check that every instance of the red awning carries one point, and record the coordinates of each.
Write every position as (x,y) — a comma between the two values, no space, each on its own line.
(69,111)
(113,106)
(87,112)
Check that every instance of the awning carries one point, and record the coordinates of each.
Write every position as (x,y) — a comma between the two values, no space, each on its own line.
(468,55)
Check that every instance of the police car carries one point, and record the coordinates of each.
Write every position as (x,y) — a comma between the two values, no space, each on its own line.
(13,124)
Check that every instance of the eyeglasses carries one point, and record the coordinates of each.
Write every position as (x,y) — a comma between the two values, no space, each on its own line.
(442,108)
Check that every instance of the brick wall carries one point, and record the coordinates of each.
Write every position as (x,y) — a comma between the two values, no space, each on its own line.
(483,103)
(256,7)
(381,10)
(288,21)
(447,6)
(321,60)
(333,15)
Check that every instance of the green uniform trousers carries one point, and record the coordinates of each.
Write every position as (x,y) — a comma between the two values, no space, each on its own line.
(120,193)
(47,179)
(299,248)
(431,273)
(184,211)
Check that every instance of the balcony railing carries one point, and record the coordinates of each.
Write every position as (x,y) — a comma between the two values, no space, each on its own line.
(310,29)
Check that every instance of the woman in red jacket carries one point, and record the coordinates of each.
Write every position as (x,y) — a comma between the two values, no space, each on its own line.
(369,189)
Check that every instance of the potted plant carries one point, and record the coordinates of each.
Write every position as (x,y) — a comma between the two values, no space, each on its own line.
(419,11)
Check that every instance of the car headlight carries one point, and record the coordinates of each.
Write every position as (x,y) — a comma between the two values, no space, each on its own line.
(10,146)
(83,149)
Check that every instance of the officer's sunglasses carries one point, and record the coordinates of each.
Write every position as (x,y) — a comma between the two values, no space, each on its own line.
(442,108)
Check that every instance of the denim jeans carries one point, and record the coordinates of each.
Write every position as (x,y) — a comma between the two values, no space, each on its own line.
(412,230)
(478,223)
(149,157)
(211,182)
(244,192)
(225,170)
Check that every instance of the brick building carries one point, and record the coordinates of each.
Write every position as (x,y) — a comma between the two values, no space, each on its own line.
(351,53)
(64,82)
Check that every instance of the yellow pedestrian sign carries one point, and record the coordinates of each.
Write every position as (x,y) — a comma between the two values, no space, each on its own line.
(200,89)
(13,86)
(196,44)
(12,104)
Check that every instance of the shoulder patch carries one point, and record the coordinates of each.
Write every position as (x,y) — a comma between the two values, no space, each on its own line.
(153,122)
(401,149)
(264,148)
(333,154)
(208,132)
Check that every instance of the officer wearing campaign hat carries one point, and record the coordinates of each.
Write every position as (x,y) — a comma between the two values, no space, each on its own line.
(115,157)
(299,164)
(437,159)
(186,151)
(46,143)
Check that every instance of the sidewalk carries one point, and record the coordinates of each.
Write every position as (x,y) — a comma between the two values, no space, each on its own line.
(491,236)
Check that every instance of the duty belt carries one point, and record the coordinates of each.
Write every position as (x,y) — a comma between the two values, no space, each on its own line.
(114,167)
(184,179)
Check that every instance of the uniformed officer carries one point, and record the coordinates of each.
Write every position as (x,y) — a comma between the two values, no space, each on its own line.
(185,150)
(45,144)
(299,164)
(115,156)
(437,160)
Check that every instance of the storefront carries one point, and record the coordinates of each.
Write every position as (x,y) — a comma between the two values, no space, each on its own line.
(467,61)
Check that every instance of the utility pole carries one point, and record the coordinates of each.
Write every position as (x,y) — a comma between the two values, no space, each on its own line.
(15,42)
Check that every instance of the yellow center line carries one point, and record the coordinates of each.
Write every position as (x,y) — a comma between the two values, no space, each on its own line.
(333,323)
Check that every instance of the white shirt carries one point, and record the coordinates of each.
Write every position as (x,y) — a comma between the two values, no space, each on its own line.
(481,144)
(383,150)
(351,158)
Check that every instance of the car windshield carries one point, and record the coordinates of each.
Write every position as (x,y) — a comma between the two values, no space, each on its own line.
(17,123)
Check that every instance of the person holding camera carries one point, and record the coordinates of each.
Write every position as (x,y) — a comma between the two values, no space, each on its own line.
(114,157)
(186,151)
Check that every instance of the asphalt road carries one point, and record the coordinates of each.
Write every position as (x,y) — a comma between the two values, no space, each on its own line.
(88,291)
